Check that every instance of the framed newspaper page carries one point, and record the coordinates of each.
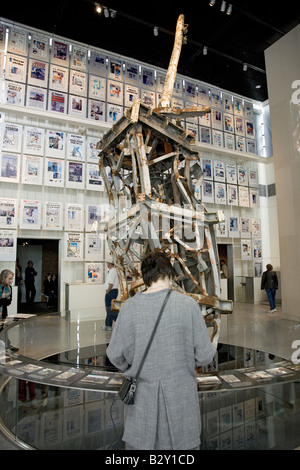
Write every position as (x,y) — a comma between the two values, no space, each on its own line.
(32,169)
(77,106)
(207,168)
(243,196)
(76,147)
(97,87)
(231,173)
(94,246)
(115,69)
(78,83)
(94,181)
(36,97)
(115,92)
(229,141)
(245,227)
(16,68)
(10,167)
(60,52)
(8,213)
(75,174)
(205,135)
(55,143)
(219,171)
(131,94)
(233,224)
(98,63)
(94,273)
(79,58)
(30,214)
(220,193)
(57,102)
(208,191)
(52,215)
(96,110)
(14,93)
(39,47)
(54,172)
(232,195)
(227,103)
(246,250)
(148,78)
(12,137)
(17,41)
(58,78)
(132,75)
(73,246)
(73,217)
(8,245)
(38,73)
(34,140)
(92,153)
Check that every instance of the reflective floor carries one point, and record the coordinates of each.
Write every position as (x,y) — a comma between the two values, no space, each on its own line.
(249,325)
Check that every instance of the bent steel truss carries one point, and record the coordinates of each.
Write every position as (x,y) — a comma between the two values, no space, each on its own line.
(147,159)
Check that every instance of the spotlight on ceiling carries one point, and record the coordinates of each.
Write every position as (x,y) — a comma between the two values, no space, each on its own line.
(155,31)
(245,67)
(106,12)
(113,13)
(223,6)
(212,2)
(229,9)
(98,8)
(204,50)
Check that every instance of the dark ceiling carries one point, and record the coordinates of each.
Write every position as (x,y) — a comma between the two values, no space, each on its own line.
(231,40)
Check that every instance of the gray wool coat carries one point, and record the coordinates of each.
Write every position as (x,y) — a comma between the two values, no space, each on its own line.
(166,412)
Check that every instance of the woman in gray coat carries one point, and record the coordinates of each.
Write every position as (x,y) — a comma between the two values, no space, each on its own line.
(166,413)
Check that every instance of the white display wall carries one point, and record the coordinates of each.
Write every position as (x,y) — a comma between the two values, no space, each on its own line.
(51,187)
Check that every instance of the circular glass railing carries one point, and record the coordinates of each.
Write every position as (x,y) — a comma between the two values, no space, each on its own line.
(249,399)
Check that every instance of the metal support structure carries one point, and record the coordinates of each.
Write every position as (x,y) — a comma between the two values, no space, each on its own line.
(154,165)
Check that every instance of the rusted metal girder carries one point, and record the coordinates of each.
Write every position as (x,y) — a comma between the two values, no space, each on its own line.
(154,165)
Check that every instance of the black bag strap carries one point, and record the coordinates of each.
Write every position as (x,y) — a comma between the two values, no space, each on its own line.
(152,334)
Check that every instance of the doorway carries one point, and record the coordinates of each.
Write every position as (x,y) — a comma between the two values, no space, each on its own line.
(44,254)
(225,251)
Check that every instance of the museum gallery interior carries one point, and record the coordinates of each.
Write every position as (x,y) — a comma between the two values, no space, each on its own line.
(126,128)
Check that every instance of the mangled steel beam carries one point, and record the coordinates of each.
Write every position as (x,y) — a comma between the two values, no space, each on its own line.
(154,165)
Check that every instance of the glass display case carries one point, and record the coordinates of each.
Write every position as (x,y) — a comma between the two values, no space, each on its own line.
(249,399)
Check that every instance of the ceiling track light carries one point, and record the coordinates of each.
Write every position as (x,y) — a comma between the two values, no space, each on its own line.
(155,31)
(204,50)
(212,2)
(229,9)
(106,12)
(245,67)
(98,8)
(113,13)
(223,6)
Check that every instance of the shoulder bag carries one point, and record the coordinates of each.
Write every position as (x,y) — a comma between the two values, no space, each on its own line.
(128,387)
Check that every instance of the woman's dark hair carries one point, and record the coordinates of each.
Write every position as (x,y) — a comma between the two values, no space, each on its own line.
(269,267)
(156,266)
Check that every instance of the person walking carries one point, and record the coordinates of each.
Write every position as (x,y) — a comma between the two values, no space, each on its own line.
(269,283)
(111,292)
(166,413)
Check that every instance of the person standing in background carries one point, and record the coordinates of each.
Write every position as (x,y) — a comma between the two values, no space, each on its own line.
(6,279)
(112,290)
(19,280)
(30,274)
(269,282)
